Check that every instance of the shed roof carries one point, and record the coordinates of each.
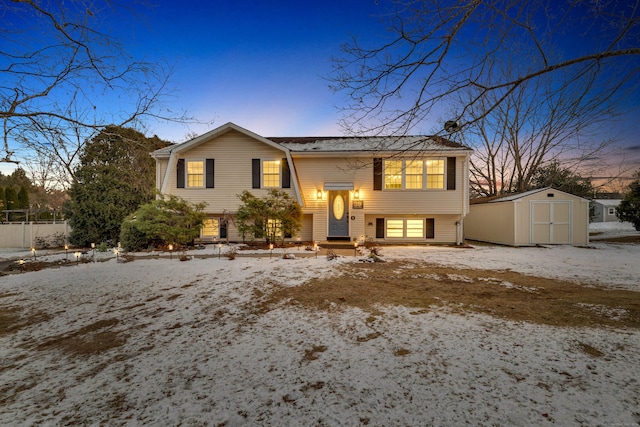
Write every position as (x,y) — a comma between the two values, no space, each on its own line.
(515,196)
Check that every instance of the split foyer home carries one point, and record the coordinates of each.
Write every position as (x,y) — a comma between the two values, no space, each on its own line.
(411,189)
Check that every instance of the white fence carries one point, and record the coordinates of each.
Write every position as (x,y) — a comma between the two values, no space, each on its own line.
(24,235)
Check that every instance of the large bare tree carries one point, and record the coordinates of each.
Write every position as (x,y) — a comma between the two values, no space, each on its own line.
(64,75)
(524,82)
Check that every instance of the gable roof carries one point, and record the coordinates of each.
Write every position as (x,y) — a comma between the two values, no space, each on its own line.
(221,130)
(515,196)
(608,202)
(341,144)
(326,144)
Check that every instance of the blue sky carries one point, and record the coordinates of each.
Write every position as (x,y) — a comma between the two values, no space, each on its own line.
(262,64)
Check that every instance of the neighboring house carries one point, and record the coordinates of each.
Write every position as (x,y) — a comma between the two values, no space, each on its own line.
(542,216)
(409,189)
(605,210)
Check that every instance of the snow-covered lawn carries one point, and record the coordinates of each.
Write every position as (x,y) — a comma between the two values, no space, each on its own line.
(164,342)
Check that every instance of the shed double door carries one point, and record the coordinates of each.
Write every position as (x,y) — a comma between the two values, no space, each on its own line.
(551,222)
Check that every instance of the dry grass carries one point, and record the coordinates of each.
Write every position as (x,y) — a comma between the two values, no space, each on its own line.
(91,339)
(635,239)
(504,294)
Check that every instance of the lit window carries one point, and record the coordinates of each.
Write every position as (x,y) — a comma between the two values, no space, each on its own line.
(414,174)
(393,174)
(395,228)
(195,173)
(405,228)
(270,173)
(435,174)
(415,228)
(210,227)
(274,228)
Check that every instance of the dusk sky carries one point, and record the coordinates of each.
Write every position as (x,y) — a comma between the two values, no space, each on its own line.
(263,65)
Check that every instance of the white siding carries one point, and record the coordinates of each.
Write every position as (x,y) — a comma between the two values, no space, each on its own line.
(232,154)
(234,150)
(313,173)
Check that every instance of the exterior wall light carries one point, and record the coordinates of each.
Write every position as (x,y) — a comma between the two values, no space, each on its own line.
(319,194)
(356,194)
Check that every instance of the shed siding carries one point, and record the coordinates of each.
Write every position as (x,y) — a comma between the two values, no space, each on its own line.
(491,222)
(510,222)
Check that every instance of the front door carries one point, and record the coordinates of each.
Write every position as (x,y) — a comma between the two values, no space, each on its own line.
(339,214)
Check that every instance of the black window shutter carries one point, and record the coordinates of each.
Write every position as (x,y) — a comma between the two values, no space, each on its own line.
(286,174)
(223,228)
(209,173)
(379,228)
(255,172)
(451,173)
(377,174)
(430,228)
(180,173)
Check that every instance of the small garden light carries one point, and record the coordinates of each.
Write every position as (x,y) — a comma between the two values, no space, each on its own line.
(66,252)
(77,254)
(219,249)
(33,251)
(355,248)
(21,264)
(315,248)
(270,249)
(93,248)
(298,242)
(117,252)
(170,251)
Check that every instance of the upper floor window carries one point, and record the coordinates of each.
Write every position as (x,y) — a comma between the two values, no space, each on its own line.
(393,174)
(435,173)
(270,173)
(414,174)
(195,173)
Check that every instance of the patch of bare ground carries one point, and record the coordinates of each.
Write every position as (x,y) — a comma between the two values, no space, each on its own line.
(91,339)
(13,318)
(622,239)
(503,294)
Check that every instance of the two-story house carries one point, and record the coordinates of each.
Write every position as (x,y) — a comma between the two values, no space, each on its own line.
(411,189)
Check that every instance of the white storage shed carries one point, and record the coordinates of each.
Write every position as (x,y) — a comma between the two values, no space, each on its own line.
(544,216)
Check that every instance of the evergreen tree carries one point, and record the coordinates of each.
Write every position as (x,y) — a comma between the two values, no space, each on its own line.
(114,177)
(163,221)
(629,207)
(23,198)
(11,199)
(563,179)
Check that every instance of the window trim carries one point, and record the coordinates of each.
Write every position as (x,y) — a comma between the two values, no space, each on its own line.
(404,228)
(262,173)
(186,172)
(611,211)
(425,174)
(217,228)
